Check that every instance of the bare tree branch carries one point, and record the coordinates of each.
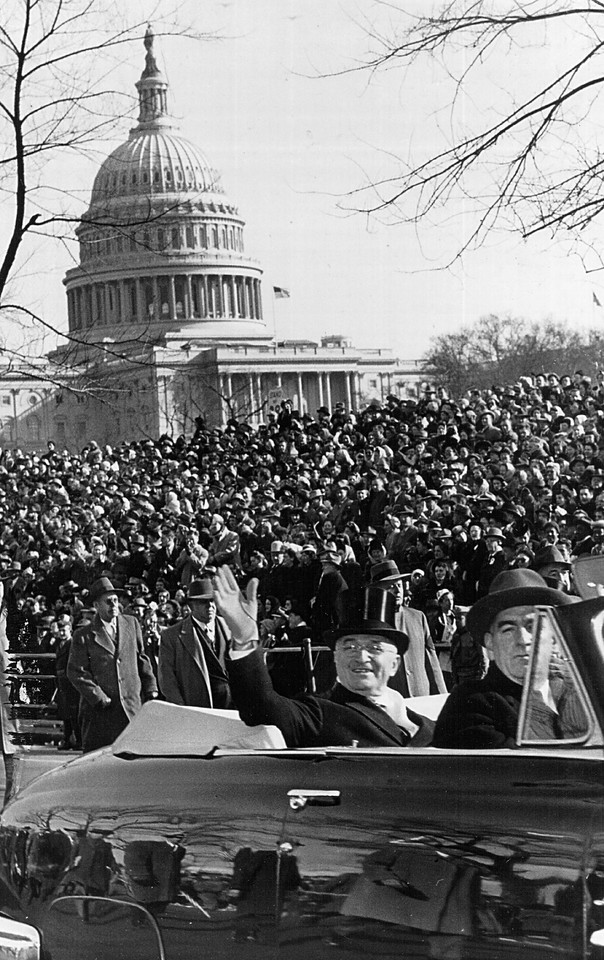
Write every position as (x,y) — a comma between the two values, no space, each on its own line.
(535,167)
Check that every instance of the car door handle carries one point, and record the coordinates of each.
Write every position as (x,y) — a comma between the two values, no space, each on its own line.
(298,799)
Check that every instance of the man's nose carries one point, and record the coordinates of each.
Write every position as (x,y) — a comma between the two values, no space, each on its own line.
(525,636)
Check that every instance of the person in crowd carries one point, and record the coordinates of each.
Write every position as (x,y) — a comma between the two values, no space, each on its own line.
(192,652)
(67,695)
(555,570)
(146,509)
(109,668)
(420,674)
(331,595)
(469,659)
(361,710)
(494,562)
(484,713)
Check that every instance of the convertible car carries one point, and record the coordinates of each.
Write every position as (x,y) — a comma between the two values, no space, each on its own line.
(193,836)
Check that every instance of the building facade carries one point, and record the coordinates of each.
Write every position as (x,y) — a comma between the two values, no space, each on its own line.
(165,308)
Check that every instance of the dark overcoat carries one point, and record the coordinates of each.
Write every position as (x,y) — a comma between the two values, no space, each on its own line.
(342,718)
(192,675)
(99,670)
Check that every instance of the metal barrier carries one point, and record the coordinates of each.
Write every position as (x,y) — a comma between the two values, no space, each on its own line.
(310,657)
(31,699)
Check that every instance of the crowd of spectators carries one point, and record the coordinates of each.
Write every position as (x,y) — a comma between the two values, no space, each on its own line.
(452,490)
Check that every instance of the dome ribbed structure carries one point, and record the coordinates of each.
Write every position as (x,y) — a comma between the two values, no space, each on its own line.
(160,245)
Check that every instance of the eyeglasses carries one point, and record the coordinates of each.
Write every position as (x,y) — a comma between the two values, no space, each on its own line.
(373,647)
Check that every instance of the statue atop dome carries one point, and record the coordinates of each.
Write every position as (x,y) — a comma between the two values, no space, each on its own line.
(152,88)
(151,68)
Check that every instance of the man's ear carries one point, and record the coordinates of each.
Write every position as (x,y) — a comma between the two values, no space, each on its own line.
(488,644)
(395,664)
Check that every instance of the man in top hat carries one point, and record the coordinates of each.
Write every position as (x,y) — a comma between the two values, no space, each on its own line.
(109,668)
(484,713)
(361,710)
(420,674)
(192,654)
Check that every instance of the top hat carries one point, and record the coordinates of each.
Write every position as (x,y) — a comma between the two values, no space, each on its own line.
(386,571)
(101,587)
(512,588)
(375,619)
(201,590)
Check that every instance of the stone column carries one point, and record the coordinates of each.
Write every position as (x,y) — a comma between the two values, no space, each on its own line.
(189,304)
(259,300)
(233,297)
(320,383)
(300,394)
(156,303)
(259,397)
(244,301)
(347,377)
(140,301)
(108,314)
(250,384)
(328,391)
(172,298)
(124,314)
(224,410)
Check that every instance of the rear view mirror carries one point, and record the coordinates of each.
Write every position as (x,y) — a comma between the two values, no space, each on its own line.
(588,575)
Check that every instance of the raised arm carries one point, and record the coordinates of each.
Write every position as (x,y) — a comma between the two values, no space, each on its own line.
(238,609)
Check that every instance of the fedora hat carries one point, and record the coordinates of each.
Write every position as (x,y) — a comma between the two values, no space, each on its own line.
(512,588)
(494,533)
(201,589)
(549,555)
(386,571)
(375,619)
(101,587)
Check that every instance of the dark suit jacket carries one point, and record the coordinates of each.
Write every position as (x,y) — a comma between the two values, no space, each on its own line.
(480,713)
(192,675)
(310,721)
(98,672)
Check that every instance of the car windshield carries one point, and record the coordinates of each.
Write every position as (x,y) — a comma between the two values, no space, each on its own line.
(554,699)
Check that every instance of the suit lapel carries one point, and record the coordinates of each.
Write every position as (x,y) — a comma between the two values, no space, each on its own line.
(189,642)
(370,711)
(100,636)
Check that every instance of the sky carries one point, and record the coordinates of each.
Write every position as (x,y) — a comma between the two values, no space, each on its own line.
(291,134)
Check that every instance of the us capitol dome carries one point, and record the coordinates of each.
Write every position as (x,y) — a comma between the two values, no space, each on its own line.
(165,314)
(161,248)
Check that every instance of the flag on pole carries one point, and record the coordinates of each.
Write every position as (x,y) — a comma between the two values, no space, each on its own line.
(281,293)
(595,300)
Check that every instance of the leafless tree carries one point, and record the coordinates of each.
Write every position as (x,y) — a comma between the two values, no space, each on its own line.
(513,119)
(498,350)
(57,98)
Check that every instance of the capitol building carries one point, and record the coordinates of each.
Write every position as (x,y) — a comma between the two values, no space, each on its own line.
(166,311)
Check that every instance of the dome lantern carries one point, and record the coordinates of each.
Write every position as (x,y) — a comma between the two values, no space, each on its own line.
(152,89)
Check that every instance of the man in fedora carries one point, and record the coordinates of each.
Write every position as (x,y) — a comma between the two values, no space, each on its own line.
(192,652)
(484,713)
(109,668)
(420,674)
(555,570)
(361,710)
